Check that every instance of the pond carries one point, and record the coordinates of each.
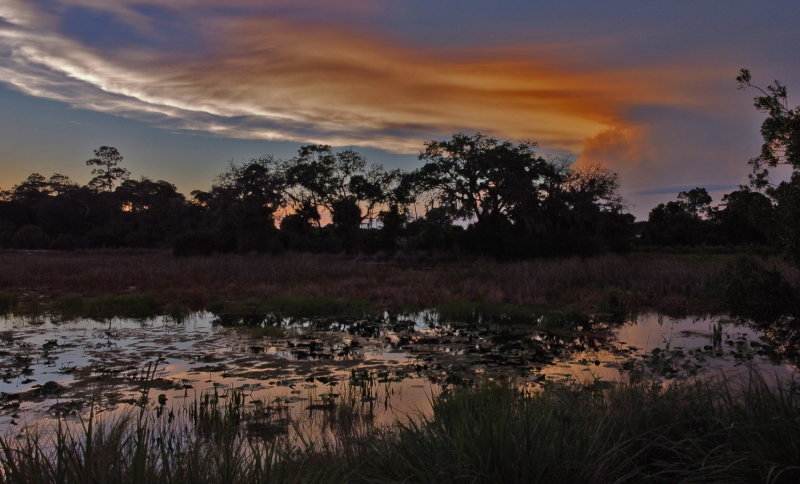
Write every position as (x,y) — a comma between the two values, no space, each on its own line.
(387,368)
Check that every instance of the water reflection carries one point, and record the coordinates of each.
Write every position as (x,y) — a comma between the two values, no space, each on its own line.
(386,368)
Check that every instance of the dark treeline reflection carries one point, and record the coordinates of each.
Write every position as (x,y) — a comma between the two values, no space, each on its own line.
(472,194)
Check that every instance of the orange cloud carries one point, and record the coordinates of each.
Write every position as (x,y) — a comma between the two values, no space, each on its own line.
(268,77)
(614,146)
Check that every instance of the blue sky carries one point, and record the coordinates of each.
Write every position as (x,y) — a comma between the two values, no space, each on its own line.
(182,87)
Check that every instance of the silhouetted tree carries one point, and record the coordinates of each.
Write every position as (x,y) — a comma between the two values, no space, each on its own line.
(476,177)
(488,183)
(340,182)
(481,194)
(31,237)
(242,203)
(515,202)
(690,220)
(696,201)
(787,216)
(593,210)
(671,224)
(745,217)
(151,211)
(297,230)
(107,171)
(781,135)
(32,189)
(433,232)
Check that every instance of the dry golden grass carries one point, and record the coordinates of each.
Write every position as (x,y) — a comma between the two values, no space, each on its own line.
(674,283)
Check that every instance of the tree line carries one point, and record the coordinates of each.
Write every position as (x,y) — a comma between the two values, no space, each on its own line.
(759,213)
(472,194)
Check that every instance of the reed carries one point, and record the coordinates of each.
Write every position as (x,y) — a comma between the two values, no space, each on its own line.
(630,432)
(7,302)
(673,283)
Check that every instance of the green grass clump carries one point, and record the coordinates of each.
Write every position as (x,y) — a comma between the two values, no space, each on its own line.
(568,318)
(122,305)
(177,312)
(69,305)
(466,311)
(30,307)
(131,305)
(7,302)
(307,306)
(294,306)
(615,304)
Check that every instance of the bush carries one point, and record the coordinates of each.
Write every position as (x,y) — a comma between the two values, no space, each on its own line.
(753,291)
(7,302)
(66,242)
(195,244)
(31,237)
(7,231)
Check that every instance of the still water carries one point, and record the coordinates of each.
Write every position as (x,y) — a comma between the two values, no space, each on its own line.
(389,367)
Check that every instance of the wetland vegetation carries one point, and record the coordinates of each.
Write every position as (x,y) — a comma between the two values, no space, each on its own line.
(674,283)
(491,433)
(472,393)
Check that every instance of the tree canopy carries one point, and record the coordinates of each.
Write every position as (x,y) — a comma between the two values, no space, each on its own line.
(472,194)
(107,171)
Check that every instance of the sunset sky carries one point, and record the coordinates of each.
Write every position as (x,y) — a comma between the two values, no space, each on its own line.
(181,87)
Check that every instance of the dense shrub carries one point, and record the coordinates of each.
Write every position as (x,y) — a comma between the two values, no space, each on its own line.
(31,237)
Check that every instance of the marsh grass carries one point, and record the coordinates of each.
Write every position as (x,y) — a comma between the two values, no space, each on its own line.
(311,306)
(294,307)
(475,311)
(643,432)
(569,318)
(109,305)
(7,302)
(130,449)
(629,433)
(616,304)
(177,312)
(676,284)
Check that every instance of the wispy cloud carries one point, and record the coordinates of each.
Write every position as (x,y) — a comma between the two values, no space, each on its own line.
(269,75)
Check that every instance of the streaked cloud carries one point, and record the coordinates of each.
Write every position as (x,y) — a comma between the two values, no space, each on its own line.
(262,73)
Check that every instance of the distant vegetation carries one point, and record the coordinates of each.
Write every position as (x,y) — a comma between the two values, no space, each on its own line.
(131,283)
(473,194)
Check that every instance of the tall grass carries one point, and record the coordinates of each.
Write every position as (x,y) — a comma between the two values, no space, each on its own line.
(295,306)
(108,305)
(633,433)
(713,432)
(668,282)
(212,440)
(7,302)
